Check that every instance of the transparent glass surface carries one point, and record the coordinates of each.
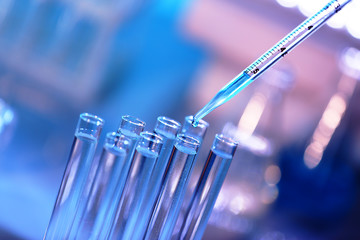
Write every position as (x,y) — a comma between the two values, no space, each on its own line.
(172,193)
(75,177)
(131,126)
(207,189)
(167,128)
(143,162)
(197,132)
(88,221)
(249,187)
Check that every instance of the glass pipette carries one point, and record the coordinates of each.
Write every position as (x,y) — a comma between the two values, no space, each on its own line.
(270,57)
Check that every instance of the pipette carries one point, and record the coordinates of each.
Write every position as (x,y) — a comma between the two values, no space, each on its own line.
(269,58)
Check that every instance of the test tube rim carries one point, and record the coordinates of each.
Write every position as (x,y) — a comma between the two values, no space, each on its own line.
(127,141)
(169,122)
(188,141)
(225,139)
(156,138)
(133,120)
(202,123)
(91,118)
(224,144)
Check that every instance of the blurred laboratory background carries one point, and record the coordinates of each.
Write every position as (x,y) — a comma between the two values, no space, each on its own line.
(296,171)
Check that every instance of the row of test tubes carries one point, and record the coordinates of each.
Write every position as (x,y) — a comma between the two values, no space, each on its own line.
(138,187)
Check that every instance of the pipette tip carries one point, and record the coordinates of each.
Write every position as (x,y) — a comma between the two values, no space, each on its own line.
(195,122)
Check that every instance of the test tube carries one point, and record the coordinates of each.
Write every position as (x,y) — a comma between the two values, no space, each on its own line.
(199,133)
(172,193)
(168,129)
(143,162)
(208,187)
(115,151)
(131,127)
(75,177)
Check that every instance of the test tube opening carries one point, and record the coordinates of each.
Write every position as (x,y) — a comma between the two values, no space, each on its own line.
(131,125)
(167,127)
(188,142)
(90,124)
(197,131)
(117,141)
(151,142)
(224,145)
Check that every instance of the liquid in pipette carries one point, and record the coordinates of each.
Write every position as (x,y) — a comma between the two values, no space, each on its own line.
(269,58)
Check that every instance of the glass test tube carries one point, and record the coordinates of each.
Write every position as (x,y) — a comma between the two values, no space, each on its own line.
(199,133)
(146,154)
(115,152)
(168,129)
(172,193)
(131,127)
(75,177)
(208,188)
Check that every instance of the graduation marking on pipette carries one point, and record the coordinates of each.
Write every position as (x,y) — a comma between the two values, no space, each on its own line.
(269,58)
